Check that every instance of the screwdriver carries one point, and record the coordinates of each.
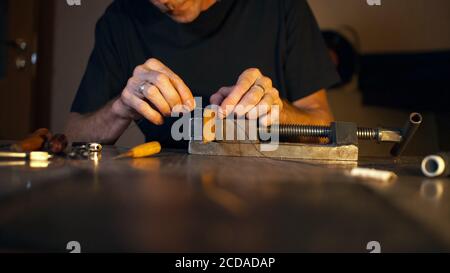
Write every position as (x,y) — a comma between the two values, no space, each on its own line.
(144,150)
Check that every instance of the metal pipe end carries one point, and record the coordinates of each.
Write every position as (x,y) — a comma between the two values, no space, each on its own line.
(408,131)
(416,118)
(433,166)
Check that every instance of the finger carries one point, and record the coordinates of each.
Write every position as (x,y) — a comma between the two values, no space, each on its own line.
(273,114)
(273,117)
(183,90)
(166,88)
(265,82)
(153,95)
(142,107)
(263,107)
(185,93)
(155,64)
(276,96)
(245,82)
(163,83)
(249,101)
(218,97)
(134,84)
(141,69)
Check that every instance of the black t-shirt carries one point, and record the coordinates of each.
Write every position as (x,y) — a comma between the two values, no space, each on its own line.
(280,37)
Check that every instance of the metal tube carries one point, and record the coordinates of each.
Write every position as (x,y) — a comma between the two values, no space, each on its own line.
(436,165)
(408,131)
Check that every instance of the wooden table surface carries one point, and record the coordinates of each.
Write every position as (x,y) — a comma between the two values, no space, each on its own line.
(176,202)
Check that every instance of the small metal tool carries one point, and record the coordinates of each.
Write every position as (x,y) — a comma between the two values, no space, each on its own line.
(85,150)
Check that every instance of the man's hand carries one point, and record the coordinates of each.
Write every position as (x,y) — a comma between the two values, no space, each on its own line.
(154,91)
(253,96)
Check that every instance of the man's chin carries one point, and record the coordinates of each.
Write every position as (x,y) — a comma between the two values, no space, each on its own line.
(184,18)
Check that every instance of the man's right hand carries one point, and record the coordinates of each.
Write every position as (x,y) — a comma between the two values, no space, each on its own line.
(153,92)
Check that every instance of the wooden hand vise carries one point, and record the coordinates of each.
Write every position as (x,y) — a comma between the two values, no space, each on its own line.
(342,140)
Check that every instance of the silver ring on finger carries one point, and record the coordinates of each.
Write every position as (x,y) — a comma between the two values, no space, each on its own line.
(260,86)
(142,88)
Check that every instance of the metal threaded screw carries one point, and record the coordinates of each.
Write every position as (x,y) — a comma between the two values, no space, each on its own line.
(302,131)
(367,133)
(292,131)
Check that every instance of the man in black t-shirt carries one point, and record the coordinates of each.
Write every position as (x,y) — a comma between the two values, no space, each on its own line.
(151,56)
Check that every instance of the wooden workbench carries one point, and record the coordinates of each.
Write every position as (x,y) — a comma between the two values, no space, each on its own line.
(180,202)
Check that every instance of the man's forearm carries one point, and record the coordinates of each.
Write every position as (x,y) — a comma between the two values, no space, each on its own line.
(103,126)
(295,115)
(311,110)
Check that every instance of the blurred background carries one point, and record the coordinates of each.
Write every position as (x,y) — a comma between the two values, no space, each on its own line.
(394,57)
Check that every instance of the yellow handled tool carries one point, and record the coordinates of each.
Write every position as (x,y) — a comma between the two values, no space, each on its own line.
(144,150)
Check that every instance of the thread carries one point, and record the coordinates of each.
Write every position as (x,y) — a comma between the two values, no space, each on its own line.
(367,133)
(293,131)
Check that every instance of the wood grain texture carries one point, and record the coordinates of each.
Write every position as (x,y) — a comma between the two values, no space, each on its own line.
(180,202)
